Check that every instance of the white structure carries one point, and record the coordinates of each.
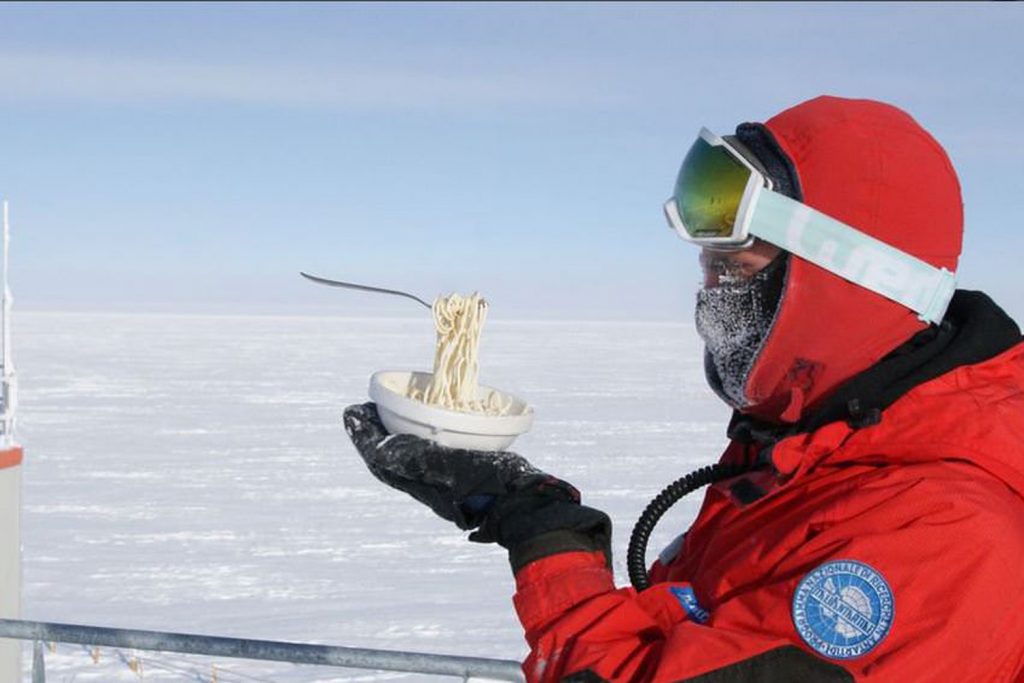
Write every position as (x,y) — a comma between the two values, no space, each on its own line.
(10,489)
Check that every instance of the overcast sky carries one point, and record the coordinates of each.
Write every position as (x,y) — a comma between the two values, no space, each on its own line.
(194,157)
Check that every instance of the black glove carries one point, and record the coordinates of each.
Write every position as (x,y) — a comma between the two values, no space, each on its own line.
(503,496)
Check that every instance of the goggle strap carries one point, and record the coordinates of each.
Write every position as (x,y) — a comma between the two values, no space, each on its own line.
(853,255)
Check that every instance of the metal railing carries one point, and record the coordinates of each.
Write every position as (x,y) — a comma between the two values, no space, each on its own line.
(270,650)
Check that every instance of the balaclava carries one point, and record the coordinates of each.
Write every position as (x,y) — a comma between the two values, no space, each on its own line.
(733,318)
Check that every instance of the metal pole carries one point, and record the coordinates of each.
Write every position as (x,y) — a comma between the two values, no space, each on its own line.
(270,650)
(38,663)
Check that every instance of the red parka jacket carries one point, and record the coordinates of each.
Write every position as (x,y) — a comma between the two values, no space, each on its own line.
(893,552)
(879,535)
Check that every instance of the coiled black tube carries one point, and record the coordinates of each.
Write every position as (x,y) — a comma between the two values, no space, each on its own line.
(636,555)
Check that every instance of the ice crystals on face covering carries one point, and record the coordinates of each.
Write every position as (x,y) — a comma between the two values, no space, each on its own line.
(733,318)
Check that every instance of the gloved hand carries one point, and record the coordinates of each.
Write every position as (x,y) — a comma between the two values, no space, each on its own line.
(500,494)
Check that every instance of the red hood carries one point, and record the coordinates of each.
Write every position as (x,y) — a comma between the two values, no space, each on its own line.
(873,167)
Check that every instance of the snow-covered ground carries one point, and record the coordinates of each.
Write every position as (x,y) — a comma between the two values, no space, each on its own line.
(190,473)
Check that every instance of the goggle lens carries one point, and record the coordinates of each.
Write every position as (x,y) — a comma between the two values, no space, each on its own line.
(709,190)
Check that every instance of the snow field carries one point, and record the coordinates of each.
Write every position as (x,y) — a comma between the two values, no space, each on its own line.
(190,473)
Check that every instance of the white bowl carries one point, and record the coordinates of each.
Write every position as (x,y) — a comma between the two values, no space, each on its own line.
(474,431)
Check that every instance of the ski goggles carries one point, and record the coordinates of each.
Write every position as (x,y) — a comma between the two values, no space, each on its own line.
(723,201)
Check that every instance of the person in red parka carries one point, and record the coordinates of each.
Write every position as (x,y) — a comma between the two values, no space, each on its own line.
(867,523)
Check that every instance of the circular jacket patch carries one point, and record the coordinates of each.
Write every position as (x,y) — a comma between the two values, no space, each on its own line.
(843,609)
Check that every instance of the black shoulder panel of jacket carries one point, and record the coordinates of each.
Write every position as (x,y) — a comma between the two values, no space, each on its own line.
(788,664)
(585,676)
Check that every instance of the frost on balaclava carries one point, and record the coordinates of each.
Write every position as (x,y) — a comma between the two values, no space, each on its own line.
(733,319)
